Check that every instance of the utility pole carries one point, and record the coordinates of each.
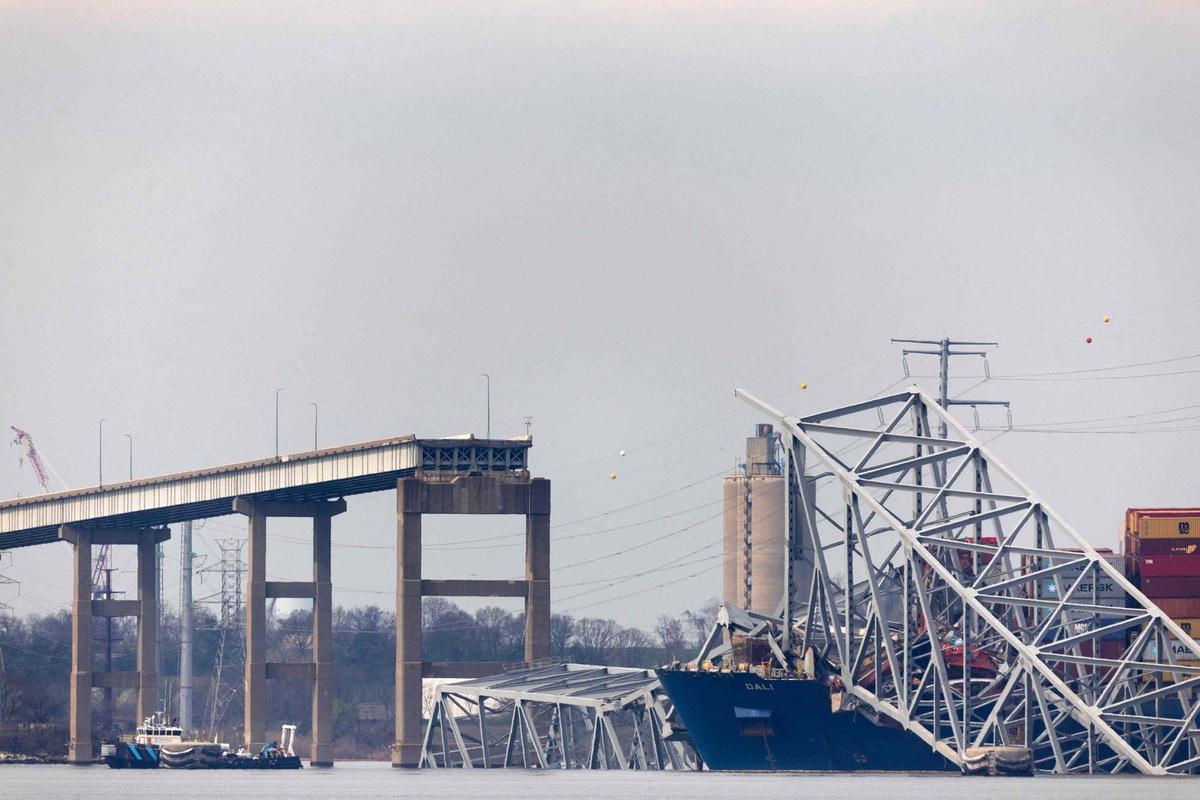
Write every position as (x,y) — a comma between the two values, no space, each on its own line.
(101,459)
(316,415)
(944,352)
(185,627)
(277,391)
(488,378)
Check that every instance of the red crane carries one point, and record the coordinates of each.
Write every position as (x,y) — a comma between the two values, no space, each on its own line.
(42,472)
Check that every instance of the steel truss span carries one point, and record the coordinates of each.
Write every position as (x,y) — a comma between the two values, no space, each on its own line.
(563,716)
(945,595)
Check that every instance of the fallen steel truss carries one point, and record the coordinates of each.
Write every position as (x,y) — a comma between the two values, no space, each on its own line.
(564,716)
(946,595)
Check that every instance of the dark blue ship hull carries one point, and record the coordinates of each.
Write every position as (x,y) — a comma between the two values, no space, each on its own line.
(740,721)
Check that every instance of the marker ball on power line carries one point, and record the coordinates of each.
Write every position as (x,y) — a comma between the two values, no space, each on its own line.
(612,476)
(1089,340)
(1106,318)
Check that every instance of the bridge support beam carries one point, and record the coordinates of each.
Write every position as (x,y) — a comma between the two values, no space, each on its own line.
(79,747)
(84,608)
(505,493)
(258,589)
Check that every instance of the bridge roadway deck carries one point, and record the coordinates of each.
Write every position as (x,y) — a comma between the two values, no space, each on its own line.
(307,476)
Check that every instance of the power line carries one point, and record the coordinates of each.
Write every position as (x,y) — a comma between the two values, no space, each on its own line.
(1111,419)
(1108,369)
(455,545)
(1099,377)
(644,591)
(640,545)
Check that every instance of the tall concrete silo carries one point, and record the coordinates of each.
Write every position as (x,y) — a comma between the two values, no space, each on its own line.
(755,531)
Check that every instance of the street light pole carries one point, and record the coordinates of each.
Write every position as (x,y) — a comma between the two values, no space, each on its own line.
(316,414)
(130,438)
(277,391)
(489,403)
(102,421)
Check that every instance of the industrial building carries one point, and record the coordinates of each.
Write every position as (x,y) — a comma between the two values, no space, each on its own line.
(758,515)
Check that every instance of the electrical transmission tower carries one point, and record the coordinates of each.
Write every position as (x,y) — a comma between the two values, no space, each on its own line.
(945,352)
(5,610)
(230,657)
(6,561)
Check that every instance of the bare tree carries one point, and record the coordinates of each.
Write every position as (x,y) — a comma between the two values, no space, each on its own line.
(702,619)
(562,628)
(672,635)
(594,639)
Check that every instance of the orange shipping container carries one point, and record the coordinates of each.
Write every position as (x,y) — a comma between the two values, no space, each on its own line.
(1168,527)
(1179,607)
(1161,523)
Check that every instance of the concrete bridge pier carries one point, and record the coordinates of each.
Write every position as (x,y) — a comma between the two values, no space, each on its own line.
(320,591)
(83,608)
(500,493)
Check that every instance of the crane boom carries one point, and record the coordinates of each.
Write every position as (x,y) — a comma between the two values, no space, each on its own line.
(35,458)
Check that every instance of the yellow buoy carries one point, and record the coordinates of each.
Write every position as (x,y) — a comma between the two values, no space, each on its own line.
(804,386)
(612,476)
(1106,317)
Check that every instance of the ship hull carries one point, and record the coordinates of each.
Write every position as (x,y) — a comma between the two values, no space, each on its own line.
(740,721)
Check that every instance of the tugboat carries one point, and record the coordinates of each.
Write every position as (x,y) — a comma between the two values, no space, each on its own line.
(142,750)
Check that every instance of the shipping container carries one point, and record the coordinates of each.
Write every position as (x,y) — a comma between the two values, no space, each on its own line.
(1168,527)
(1172,677)
(1162,523)
(1179,607)
(1170,586)
(1108,591)
(1190,626)
(1109,648)
(1142,548)
(1169,565)
(1181,651)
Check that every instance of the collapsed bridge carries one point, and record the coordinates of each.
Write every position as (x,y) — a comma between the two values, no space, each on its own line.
(944,595)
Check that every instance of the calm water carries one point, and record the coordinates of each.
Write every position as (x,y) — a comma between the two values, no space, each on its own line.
(360,781)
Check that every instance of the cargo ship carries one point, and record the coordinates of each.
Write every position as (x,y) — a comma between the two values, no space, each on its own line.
(741,720)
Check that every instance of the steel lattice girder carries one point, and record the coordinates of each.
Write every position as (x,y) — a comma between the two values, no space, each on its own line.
(563,716)
(955,609)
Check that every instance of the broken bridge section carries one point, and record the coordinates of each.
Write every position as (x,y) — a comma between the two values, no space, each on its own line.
(948,597)
(562,716)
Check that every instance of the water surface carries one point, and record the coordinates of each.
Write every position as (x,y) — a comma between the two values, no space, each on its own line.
(371,780)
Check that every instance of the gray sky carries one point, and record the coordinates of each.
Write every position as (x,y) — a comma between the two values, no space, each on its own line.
(618,211)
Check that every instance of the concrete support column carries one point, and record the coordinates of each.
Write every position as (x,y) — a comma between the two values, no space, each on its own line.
(537,572)
(406,750)
(79,749)
(256,631)
(147,627)
(322,688)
